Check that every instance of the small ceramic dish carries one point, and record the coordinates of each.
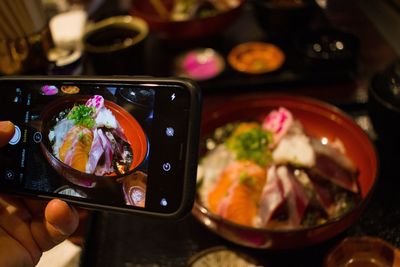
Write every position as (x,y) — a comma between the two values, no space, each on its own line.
(364,251)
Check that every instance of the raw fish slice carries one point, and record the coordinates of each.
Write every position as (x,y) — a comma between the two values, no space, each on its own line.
(107,166)
(239,206)
(221,187)
(247,171)
(271,198)
(211,169)
(76,147)
(123,154)
(120,133)
(296,197)
(296,150)
(57,135)
(82,150)
(319,191)
(69,142)
(328,169)
(324,196)
(96,152)
(335,154)
(71,139)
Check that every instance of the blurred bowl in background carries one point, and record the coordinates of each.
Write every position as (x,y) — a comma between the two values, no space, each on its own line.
(328,49)
(320,120)
(26,55)
(366,251)
(194,28)
(384,105)
(256,57)
(116,45)
(280,19)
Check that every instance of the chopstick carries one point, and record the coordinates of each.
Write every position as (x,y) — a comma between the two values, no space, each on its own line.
(9,19)
(8,31)
(24,12)
(35,11)
(20,16)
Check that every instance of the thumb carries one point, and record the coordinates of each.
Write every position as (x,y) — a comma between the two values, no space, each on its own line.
(7,130)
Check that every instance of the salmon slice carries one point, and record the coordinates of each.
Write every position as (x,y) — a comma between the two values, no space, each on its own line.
(239,207)
(219,191)
(245,173)
(76,147)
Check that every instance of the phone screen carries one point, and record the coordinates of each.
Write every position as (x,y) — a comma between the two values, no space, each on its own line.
(122,145)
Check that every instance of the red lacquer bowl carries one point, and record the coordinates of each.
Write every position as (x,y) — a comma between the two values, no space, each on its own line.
(319,120)
(193,29)
(131,127)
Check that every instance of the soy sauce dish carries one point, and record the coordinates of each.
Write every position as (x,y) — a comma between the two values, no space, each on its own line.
(281,171)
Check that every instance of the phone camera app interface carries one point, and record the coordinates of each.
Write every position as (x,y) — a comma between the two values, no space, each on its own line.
(82,141)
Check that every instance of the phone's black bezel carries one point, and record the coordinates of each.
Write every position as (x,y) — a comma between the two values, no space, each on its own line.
(191,153)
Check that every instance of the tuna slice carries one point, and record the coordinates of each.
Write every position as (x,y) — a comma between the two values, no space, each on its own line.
(295,195)
(324,197)
(334,166)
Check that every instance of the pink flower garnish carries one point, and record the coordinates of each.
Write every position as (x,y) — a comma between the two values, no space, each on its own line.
(278,122)
(97,102)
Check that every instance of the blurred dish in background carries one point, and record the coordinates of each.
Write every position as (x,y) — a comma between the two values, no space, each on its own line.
(49,90)
(256,57)
(193,9)
(328,49)
(25,37)
(70,90)
(67,29)
(363,251)
(384,106)
(281,19)
(65,62)
(187,20)
(199,64)
(115,45)
(221,257)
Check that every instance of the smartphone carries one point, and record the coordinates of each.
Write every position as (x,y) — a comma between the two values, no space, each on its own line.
(110,143)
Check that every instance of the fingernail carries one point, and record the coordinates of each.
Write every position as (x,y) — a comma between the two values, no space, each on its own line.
(6,125)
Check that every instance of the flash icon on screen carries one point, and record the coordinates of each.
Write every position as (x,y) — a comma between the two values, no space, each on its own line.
(173,96)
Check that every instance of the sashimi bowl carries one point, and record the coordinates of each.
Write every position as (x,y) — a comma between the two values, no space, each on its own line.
(282,172)
(87,139)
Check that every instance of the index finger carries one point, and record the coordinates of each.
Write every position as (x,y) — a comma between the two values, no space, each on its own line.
(7,130)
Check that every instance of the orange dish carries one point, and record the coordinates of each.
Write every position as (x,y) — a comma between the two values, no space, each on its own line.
(256,57)
(71,90)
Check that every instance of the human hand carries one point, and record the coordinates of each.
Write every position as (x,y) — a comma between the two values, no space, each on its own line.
(30,227)
(7,130)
